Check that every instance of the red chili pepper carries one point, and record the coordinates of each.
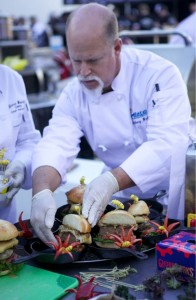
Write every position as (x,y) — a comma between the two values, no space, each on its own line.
(65,247)
(165,228)
(84,291)
(26,232)
(125,241)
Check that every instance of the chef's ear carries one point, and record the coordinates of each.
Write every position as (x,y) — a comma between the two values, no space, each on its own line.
(117,46)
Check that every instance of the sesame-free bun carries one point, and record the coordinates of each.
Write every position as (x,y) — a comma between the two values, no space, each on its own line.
(75,195)
(117,217)
(138,209)
(8,231)
(77,222)
(5,245)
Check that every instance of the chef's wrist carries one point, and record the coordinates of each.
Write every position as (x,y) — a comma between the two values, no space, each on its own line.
(124,181)
(44,191)
(45,177)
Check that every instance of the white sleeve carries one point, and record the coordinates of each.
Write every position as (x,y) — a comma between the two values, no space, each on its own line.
(167,130)
(27,136)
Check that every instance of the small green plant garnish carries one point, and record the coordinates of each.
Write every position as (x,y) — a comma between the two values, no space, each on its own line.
(172,278)
(153,286)
(189,291)
(123,292)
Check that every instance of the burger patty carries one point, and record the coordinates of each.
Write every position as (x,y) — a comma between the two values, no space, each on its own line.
(63,235)
(105,231)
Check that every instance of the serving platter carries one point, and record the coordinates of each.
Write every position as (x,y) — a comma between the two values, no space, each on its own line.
(34,248)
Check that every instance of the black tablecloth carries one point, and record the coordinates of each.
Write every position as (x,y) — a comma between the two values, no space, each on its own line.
(145,269)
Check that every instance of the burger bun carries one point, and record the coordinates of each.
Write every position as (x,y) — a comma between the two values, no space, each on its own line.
(117,217)
(8,231)
(77,222)
(139,208)
(8,244)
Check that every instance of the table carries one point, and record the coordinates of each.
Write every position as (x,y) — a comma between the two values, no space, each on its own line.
(146,268)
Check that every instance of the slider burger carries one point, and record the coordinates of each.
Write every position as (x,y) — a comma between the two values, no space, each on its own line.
(78,228)
(75,195)
(140,211)
(111,223)
(8,239)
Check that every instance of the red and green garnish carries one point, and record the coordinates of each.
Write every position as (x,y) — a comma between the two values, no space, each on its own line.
(125,241)
(163,229)
(170,278)
(63,247)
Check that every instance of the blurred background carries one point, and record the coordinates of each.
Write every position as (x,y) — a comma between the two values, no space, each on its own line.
(33,42)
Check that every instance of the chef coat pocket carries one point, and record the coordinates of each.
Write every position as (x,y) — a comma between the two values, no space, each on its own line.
(160,107)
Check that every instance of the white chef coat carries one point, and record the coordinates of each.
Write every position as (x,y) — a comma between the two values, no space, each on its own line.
(186,26)
(134,126)
(18,135)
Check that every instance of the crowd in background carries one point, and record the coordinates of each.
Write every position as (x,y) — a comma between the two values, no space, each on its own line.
(142,16)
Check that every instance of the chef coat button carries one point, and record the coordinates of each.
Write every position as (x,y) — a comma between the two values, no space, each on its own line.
(126,143)
(119,97)
(102,147)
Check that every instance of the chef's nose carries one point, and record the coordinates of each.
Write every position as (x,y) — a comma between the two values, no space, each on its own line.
(85,69)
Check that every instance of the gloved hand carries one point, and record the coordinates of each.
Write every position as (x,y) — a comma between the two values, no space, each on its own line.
(15,170)
(43,211)
(97,195)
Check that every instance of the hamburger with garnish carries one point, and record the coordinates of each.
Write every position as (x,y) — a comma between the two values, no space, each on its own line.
(112,223)
(8,239)
(78,228)
(140,211)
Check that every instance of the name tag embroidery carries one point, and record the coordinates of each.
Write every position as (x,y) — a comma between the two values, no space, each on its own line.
(139,116)
(17,106)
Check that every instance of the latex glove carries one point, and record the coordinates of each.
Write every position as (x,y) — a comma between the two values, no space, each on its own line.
(43,211)
(97,195)
(15,170)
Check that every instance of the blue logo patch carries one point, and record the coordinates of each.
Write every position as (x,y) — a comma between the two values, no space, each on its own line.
(139,114)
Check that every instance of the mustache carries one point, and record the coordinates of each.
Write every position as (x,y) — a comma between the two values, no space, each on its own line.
(89,78)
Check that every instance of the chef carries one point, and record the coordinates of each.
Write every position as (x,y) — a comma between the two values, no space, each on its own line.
(17,139)
(132,107)
(186,26)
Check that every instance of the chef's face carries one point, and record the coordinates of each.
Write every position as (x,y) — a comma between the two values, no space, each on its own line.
(95,60)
